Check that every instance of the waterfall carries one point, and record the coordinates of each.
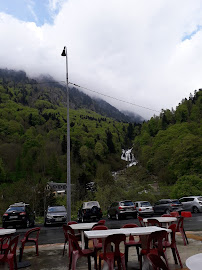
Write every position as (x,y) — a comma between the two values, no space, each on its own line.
(128,156)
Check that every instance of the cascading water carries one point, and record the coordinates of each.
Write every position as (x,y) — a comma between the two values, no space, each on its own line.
(128,156)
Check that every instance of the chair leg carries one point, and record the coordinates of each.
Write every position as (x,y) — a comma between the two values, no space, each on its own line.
(37,249)
(21,253)
(126,255)
(183,236)
(174,255)
(178,256)
(99,263)
(64,247)
(95,260)
(70,260)
(89,263)
(75,256)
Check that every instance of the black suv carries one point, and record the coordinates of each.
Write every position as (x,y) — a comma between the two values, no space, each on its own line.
(89,211)
(55,215)
(167,205)
(19,214)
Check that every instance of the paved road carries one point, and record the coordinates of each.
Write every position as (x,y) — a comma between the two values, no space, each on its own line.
(51,235)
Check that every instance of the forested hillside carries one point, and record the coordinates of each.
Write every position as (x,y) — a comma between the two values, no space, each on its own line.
(169,151)
(33,141)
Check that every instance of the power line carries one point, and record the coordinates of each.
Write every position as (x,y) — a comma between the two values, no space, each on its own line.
(113,97)
(93,91)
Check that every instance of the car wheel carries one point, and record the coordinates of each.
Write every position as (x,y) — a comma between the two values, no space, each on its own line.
(195,210)
(117,216)
(167,211)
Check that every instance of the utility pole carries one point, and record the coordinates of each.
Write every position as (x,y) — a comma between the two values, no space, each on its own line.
(68,191)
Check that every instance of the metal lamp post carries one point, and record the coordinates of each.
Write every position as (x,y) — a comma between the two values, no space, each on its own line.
(68,191)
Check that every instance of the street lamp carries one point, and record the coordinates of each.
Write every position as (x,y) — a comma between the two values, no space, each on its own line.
(68,191)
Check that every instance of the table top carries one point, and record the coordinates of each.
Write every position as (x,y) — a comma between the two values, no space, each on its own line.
(126,231)
(7,231)
(83,226)
(162,219)
(194,262)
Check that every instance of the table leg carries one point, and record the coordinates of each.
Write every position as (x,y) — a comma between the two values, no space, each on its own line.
(82,240)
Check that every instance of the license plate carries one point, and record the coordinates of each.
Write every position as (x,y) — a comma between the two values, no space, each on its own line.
(13,217)
(58,219)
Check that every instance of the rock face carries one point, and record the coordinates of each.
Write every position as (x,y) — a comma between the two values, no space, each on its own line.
(127,155)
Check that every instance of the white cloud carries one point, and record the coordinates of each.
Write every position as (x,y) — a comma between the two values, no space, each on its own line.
(132,50)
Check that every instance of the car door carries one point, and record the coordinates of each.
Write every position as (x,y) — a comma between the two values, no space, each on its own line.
(157,207)
(185,203)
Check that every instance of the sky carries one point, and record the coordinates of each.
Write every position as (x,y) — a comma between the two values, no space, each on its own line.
(144,52)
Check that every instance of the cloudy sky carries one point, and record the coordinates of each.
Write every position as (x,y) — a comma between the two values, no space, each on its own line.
(146,52)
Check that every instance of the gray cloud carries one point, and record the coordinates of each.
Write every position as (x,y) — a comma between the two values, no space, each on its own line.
(132,50)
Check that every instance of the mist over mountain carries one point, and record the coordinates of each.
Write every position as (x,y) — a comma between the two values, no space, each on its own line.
(46,88)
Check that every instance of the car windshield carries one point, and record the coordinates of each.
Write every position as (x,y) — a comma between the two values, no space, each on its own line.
(127,203)
(91,204)
(144,204)
(176,202)
(15,208)
(57,209)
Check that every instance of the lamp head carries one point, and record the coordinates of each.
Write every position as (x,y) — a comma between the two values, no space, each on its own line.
(64,52)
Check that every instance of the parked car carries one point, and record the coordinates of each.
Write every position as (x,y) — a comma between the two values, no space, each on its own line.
(55,215)
(122,209)
(167,205)
(19,214)
(192,203)
(89,211)
(144,208)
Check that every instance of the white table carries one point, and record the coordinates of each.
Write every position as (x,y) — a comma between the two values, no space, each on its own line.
(194,262)
(137,231)
(4,232)
(166,220)
(82,227)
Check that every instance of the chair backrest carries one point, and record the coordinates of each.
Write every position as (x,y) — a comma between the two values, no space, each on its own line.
(166,215)
(4,241)
(71,222)
(141,221)
(73,243)
(186,214)
(115,239)
(12,246)
(156,262)
(130,225)
(35,231)
(97,241)
(153,222)
(173,227)
(174,214)
(67,229)
(101,222)
(180,224)
(158,238)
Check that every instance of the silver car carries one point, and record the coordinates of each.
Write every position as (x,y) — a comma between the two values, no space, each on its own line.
(55,215)
(192,203)
(122,209)
(144,208)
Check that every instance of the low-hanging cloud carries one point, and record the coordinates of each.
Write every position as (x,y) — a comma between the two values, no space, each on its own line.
(144,52)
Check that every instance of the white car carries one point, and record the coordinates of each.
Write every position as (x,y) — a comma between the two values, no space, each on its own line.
(144,208)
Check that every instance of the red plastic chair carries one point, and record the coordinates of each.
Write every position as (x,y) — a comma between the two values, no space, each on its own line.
(153,222)
(97,242)
(67,229)
(33,239)
(101,222)
(180,228)
(186,214)
(155,245)
(131,242)
(174,214)
(71,222)
(77,252)
(156,262)
(111,256)
(173,245)
(9,255)
(141,221)
(4,243)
